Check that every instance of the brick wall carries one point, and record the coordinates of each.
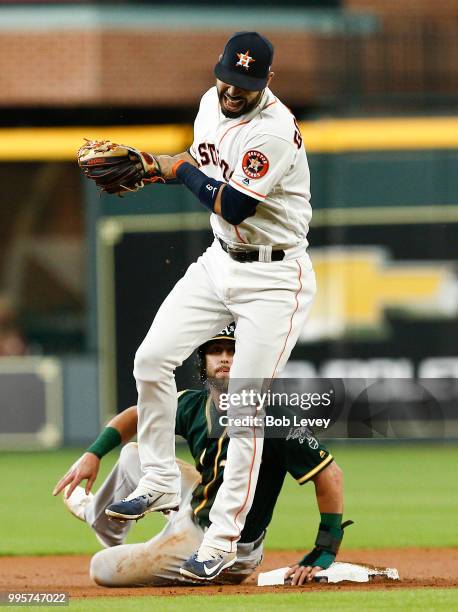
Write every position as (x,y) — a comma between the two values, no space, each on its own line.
(173,68)
(148,68)
(405,7)
(418,43)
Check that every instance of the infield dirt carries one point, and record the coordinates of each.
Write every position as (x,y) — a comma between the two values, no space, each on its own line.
(418,567)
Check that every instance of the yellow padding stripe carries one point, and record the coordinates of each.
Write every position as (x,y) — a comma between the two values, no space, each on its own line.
(340,135)
(321,136)
(61,144)
(316,469)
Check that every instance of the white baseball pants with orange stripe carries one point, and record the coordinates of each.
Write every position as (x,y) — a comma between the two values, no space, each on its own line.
(269,303)
(156,562)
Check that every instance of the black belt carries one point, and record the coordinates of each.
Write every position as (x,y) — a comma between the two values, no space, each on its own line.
(243,256)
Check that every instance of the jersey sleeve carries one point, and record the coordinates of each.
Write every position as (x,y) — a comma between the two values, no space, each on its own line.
(304,456)
(182,416)
(264,161)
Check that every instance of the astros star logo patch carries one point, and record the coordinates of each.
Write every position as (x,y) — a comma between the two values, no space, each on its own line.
(245,59)
(255,164)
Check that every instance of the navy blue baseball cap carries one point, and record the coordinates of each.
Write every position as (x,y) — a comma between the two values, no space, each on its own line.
(246,61)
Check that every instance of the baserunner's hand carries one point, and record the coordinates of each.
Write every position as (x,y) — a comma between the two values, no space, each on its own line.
(300,574)
(85,468)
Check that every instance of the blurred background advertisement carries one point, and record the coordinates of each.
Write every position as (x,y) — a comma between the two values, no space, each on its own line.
(374,86)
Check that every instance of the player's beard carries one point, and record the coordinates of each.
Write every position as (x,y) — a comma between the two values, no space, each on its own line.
(246,108)
(220,385)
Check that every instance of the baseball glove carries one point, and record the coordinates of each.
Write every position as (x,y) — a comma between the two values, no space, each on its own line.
(117,168)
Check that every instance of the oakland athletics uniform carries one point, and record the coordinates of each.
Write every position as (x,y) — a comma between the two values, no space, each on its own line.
(157,561)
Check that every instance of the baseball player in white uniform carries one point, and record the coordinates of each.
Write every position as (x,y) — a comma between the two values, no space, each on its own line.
(158,561)
(248,167)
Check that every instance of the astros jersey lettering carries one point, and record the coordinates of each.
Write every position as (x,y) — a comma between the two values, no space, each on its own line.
(260,154)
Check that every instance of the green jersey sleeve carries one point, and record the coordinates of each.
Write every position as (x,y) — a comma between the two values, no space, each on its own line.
(190,417)
(182,417)
(304,456)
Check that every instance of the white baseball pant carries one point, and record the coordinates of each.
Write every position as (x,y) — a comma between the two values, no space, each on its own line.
(269,303)
(158,561)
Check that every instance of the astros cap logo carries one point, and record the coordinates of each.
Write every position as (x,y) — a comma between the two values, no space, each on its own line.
(245,59)
(238,67)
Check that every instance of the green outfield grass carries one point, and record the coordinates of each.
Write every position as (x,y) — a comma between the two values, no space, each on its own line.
(399,599)
(398,495)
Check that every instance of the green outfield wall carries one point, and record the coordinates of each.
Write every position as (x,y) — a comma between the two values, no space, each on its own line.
(382,238)
(383,241)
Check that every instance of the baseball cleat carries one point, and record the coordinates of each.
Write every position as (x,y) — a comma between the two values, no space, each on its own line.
(134,508)
(207,563)
(77,502)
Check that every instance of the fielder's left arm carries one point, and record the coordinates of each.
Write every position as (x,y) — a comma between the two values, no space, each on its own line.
(217,196)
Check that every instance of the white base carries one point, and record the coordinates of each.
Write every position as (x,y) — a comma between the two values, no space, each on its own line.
(337,572)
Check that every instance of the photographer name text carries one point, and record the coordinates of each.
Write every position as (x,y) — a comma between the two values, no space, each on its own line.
(271,421)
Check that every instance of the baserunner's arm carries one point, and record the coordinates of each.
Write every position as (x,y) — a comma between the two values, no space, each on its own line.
(120,428)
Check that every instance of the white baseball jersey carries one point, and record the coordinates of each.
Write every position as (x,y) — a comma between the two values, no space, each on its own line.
(260,154)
